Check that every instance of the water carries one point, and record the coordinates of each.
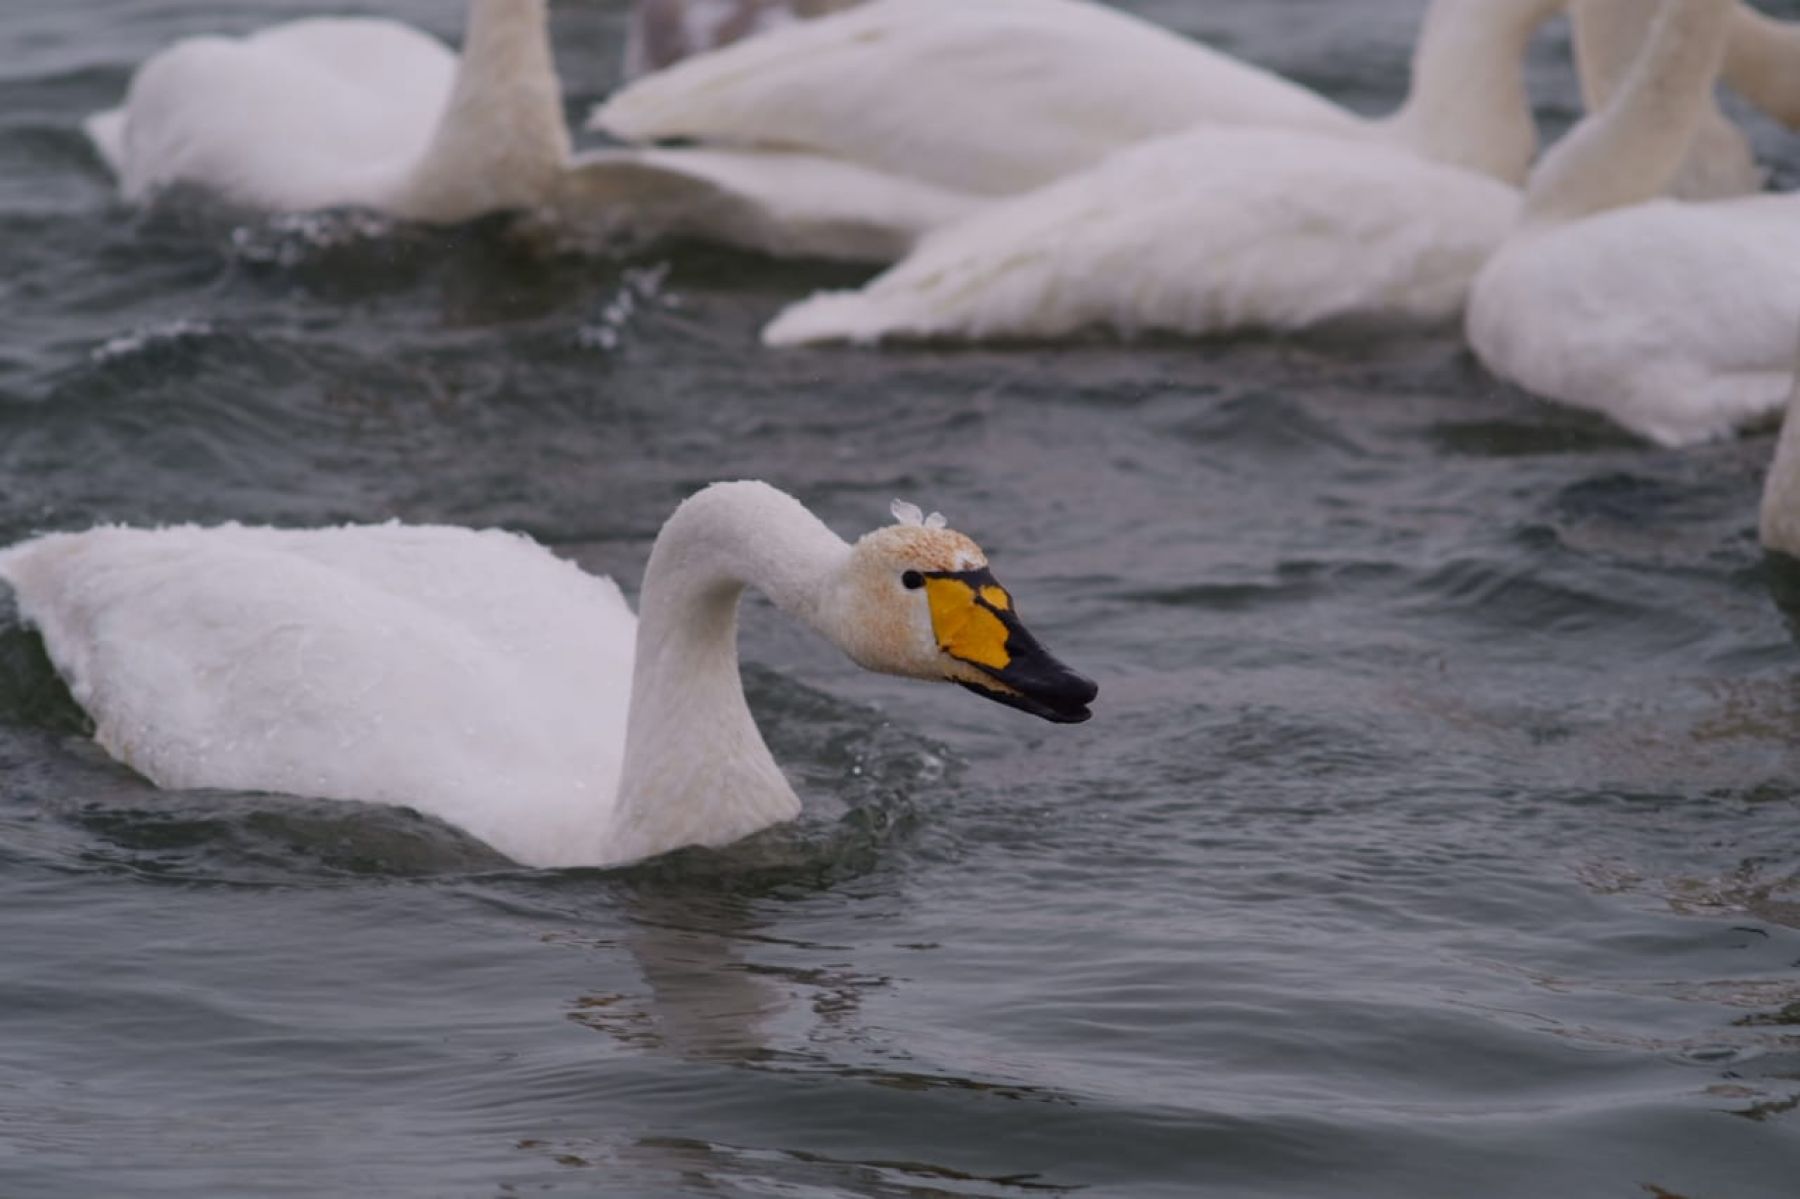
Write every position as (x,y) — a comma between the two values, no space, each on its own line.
(1435,834)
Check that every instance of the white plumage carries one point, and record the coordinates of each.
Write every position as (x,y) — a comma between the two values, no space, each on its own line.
(1001,96)
(1206,231)
(1676,320)
(475,676)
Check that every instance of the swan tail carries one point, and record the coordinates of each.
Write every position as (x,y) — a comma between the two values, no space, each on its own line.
(852,317)
(106,130)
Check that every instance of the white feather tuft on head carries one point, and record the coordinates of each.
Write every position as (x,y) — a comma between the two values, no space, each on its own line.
(911,514)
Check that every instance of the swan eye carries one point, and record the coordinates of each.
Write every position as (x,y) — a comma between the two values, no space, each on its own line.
(912,580)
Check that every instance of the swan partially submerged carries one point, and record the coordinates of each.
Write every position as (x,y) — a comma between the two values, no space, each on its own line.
(475,676)
(368,113)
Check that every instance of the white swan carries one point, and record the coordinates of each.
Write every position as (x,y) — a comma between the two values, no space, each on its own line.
(352,111)
(1779,523)
(1674,319)
(999,96)
(369,113)
(474,676)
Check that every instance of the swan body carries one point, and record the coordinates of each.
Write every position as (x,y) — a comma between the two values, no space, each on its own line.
(1207,231)
(1674,319)
(1059,84)
(474,676)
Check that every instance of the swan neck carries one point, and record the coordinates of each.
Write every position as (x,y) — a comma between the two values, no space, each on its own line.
(501,142)
(1629,151)
(697,771)
(1762,63)
(1467,104)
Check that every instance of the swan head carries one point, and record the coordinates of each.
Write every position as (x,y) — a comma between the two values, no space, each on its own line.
(917,599)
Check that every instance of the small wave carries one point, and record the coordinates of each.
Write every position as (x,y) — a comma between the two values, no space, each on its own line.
(179,332)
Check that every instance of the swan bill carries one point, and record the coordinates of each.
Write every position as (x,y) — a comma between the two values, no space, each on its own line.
(975,623)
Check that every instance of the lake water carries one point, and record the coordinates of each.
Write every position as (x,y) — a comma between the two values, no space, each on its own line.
(1437,833)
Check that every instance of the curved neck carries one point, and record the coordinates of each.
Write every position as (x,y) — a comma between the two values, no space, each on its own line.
(696,769)
(1467,104)
(501,141)
(1609,36)
(1762,63)
(1780,523)
(1629,151)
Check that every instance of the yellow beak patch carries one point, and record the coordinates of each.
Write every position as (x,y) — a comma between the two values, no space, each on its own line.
(965,617)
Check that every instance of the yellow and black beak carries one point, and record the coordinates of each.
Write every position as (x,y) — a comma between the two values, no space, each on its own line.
(973,618)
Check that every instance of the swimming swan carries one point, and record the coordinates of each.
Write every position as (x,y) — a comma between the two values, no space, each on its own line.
(1674,319)
(363,112)
(474,676)
(1059,84)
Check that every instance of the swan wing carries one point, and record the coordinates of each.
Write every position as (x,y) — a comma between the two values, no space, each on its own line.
(1206,231)
(471,675)
(307,115)
(992,97)
(1675,320)
(786,204)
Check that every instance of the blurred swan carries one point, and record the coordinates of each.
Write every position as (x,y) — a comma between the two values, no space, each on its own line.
(1779,526)
(1674,319)
(474,676)
(365,112)
(994,97)
(665,31)
(359,111)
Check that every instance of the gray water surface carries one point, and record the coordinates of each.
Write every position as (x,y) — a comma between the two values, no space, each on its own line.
(1436,834)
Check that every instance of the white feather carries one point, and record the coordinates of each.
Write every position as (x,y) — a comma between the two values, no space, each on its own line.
(1210,230)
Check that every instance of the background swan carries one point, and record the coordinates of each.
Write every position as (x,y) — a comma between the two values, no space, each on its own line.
(1058,85)
(1674,319)
(474,676)
(349,111)
(369,113)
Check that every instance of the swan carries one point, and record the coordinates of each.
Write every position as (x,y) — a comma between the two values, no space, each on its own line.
(369,113)
(476,677)
(360,111)
(1058,85)
(1779,523)
(1674,319)
(665,31)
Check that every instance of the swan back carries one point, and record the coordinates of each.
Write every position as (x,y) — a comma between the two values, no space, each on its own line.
(469,675)
(1068,81)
